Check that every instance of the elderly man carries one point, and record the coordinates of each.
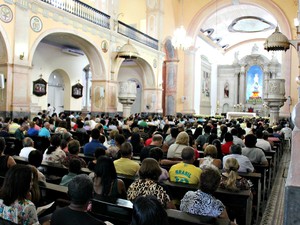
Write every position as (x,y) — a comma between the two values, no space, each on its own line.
(28,146)
(45,131)
(244,162)
(157,141)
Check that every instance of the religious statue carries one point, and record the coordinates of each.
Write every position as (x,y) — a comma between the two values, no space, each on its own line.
(226,90)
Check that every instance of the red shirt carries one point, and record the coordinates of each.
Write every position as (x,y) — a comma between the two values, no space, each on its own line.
(226,147)
(148,141)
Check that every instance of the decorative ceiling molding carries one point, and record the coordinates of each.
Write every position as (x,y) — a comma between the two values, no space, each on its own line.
(250,24)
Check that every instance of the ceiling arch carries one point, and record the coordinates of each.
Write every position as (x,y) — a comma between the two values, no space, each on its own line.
(228,25)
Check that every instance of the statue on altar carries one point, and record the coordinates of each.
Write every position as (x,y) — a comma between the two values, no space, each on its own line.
(255,92)
(254,85)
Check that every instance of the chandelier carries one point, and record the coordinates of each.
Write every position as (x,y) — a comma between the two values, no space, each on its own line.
(180,40)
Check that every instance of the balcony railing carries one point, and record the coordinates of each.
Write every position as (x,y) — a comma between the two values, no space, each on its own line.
(137,35)
(95,16)
(82,10)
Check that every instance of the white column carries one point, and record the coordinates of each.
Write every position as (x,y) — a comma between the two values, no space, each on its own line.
(127,95)
(189,81)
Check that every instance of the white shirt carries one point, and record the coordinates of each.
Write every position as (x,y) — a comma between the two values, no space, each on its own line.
(244,162)
(287,132)
(238,141)
(25,151)
(265,145)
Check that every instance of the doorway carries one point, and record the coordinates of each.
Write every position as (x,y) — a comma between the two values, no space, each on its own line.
(56,92)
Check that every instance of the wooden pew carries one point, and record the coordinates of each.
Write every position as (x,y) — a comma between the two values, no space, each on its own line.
(262,169)
(255,178)
(119,212)
(240,202)
(51,169)
(6,222)
(53,192)
(177,217)
(127,179)
(86,158)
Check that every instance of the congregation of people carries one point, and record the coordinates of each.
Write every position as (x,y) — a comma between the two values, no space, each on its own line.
(209,153)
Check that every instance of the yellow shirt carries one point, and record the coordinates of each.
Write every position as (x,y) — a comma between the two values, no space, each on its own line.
(126,166)
(185,173)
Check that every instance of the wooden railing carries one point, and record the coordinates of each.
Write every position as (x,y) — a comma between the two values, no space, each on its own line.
(137,35)
(95,16)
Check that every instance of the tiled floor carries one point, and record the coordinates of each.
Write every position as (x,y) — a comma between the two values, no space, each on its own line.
(274,210)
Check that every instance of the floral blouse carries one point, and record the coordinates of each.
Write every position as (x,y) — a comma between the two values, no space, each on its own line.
(147,187)
(56,156)
(201,203)
(241,183)
(20,212)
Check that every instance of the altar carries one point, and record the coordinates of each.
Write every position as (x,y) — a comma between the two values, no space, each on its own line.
(235,115)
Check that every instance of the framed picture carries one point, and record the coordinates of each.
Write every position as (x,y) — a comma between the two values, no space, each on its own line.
(39,87)
(77,90)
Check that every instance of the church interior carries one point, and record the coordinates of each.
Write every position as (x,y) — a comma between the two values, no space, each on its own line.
(202,58)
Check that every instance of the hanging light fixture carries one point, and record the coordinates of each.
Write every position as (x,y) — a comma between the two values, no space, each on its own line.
(277,42)
(180,40)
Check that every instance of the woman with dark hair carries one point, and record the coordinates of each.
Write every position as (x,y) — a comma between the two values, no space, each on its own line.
(54,152)
(136,143)
(218,145)
(147,184)
(14,205)
(198,131)
(35,194)
(105,179)
(61,127)
(6,161)
(147,210)
(99,152)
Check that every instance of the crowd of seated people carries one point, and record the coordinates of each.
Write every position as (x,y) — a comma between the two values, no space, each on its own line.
(151,149)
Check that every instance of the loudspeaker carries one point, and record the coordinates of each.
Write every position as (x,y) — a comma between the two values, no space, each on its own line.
(2,81)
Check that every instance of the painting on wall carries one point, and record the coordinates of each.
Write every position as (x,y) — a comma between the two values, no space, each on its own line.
(254,91)
(205,84)
(77,90)
(39,87)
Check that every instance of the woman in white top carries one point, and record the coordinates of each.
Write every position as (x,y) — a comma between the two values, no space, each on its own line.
(182,140)
(210,157)
(54,153)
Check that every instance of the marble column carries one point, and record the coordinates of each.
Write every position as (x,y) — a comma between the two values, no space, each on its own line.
(86,70)
(274,97)
(127,96)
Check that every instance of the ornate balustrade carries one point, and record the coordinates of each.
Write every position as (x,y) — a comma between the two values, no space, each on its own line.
(95,16)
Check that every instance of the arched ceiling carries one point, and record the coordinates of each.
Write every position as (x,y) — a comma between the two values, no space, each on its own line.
(238,23)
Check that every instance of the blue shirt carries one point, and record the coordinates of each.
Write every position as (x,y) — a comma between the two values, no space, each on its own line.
(32,132)
(44,132)
(90,148)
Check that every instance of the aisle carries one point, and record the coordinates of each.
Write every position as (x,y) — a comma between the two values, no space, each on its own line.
(274,211)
